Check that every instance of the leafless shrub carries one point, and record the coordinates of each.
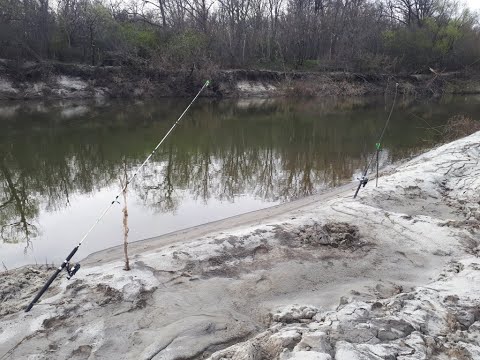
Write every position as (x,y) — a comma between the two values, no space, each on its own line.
(301,89)
(117,80)
(459,126)
(325,86)
(145,86)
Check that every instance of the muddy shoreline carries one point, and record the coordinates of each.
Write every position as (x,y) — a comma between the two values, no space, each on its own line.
(45,81)
(392,274)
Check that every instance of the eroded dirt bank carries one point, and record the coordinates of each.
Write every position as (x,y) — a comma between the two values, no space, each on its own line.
(22,81)
(390,275)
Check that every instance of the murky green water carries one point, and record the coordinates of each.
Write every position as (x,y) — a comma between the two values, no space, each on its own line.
(60,162)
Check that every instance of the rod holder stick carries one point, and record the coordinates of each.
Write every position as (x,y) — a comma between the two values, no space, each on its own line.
(378,147)
(358,189)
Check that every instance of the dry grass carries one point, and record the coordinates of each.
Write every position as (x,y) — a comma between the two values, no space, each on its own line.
(460,126)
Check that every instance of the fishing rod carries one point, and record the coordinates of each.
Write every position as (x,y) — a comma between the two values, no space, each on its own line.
(72,269)
(378,147)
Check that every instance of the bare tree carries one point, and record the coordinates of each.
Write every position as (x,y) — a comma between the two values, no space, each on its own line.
(16,225)
(334,34)
(274,12)
(412,12)
(161,5)
(234,14)
(199,10)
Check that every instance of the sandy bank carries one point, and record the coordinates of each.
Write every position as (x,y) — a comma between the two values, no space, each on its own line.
(397,260)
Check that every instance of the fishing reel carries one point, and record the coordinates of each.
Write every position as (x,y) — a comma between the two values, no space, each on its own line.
(363,181)
(71,270)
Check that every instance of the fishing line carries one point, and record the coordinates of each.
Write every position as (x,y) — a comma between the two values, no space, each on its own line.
(72,270)
(364,179)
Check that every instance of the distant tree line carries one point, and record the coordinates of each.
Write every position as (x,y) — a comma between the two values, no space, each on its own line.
(359,35)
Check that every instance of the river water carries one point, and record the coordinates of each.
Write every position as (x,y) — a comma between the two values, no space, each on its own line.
(61,162)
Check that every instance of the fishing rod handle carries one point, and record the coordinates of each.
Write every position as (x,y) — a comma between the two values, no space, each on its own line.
(44,288)
(358,189)
(52,278)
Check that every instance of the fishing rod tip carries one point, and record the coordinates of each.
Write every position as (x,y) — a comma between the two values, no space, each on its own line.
(207,82)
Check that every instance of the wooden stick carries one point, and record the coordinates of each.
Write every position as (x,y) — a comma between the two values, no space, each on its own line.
(125,215)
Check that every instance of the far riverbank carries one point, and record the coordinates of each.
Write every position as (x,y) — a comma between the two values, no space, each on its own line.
(45,81)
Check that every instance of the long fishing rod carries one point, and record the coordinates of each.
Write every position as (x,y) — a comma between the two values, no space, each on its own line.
(72,269)
(378,146)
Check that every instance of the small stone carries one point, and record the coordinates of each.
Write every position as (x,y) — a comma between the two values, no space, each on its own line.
(317,341)
(309,355)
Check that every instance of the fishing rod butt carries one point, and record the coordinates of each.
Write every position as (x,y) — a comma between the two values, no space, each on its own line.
(71,271)
(356,192)
(43,289)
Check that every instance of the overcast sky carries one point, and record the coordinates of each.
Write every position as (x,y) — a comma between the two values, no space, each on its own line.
(473,4)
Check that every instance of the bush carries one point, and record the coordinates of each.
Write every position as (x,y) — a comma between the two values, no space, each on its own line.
(460,126)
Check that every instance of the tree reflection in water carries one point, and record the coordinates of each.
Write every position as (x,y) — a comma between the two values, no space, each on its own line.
(270,150)
(17,209)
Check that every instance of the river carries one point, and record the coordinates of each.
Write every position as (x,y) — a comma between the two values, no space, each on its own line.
(61,162)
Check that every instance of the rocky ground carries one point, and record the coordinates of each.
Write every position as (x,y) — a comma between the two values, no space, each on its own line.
(438,321)
(390,275)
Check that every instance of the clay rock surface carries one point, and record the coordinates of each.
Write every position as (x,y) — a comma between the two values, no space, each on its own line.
(441,321)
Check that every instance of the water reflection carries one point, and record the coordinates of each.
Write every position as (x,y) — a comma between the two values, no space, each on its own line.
(17,209)
(272,151)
